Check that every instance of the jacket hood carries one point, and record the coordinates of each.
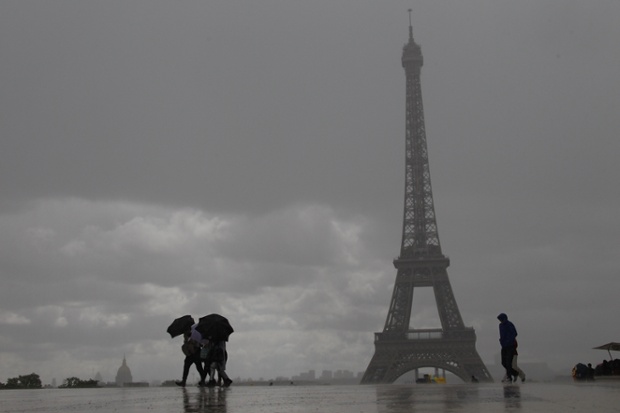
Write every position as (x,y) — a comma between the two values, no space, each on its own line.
(502,317)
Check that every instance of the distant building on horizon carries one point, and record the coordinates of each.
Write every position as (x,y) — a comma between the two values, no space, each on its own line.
(310,375)
(124,374)
(343,374)
(327,376)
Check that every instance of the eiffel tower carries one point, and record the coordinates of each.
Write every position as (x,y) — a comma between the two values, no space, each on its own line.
(401,348)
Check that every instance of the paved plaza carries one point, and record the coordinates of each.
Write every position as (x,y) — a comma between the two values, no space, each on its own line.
(466,398)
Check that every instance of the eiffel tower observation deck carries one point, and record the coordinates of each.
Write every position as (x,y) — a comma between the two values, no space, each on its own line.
(401,348)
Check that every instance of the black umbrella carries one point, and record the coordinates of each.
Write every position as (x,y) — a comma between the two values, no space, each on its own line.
(180,325)
(214,327)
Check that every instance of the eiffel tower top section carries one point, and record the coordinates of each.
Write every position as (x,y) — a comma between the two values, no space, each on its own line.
(412,53)
(420,238)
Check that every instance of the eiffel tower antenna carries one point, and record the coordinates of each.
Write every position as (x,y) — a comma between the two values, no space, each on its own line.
(410,27)
(401,348)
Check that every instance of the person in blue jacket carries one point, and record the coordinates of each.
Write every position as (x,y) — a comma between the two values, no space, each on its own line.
(508,340)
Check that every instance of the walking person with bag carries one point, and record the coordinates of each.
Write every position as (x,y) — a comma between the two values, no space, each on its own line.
(508,340)
(191,349)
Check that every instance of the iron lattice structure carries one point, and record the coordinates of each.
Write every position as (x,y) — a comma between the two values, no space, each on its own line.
(400,348)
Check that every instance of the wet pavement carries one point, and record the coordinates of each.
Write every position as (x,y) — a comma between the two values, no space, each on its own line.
(466,398)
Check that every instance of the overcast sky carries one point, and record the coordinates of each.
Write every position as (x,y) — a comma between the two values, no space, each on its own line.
(247,158)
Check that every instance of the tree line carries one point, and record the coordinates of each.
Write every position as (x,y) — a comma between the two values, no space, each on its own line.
(33,381)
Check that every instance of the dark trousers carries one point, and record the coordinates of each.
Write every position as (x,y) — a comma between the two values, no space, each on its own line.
(193,359)
(507,355)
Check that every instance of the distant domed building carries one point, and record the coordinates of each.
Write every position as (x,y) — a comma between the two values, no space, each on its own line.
(124,374)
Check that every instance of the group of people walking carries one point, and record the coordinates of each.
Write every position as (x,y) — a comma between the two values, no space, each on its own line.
(208,356)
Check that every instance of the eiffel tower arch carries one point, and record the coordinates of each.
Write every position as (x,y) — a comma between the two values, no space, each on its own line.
(421,264)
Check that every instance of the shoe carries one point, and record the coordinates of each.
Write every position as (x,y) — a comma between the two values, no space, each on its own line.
(211,383)
(201,383)
(523,379)
(514,379)
(227,382)
(180,383)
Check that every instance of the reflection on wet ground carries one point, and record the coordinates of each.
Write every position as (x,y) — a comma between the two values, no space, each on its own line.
(445,398)
(530,397)
(459,398)
(204,400)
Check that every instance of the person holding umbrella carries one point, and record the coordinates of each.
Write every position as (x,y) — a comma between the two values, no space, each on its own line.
(216,329)
(191,349)
(191,346)
(216,360)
